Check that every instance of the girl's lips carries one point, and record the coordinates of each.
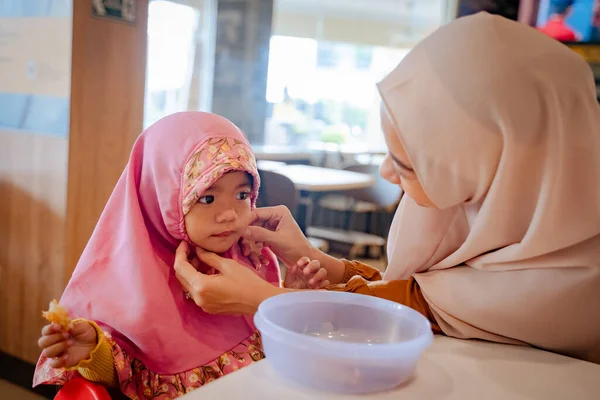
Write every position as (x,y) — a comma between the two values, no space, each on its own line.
(225,234)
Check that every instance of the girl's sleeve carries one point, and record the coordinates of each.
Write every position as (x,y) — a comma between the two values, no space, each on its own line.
(362,279)
(100,367)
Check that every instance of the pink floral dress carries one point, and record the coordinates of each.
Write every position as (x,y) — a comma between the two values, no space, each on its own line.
(137,382)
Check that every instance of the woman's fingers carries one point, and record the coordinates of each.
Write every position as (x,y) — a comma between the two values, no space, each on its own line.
(181,254)
(211,259)
(57,349)
(49,340)
(187,287)
(187,275)
(268,217)
(195,263)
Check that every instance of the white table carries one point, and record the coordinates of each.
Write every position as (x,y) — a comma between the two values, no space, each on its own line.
(317,179)
(269,165)
(450,369)
(281,153)
(344,151)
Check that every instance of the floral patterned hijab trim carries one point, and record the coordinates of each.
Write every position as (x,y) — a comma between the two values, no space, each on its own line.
(212,160)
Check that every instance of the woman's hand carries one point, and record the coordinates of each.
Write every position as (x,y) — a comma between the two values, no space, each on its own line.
(234,290)
(306,274)
(67,349)
(276,228)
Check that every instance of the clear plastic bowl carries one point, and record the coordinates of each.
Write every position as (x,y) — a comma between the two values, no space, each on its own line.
(342,342)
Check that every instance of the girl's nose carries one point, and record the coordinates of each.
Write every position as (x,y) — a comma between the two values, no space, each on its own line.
(227,216)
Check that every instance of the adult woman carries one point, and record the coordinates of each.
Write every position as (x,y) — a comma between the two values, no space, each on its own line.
(493,131)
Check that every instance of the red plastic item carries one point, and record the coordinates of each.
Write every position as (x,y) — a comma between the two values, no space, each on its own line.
(81,389)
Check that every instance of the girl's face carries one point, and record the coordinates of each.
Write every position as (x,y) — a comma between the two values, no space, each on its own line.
(396,167)
(216,222)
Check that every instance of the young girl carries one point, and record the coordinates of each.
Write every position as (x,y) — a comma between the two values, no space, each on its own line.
(191,177)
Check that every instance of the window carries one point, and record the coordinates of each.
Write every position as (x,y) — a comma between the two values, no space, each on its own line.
(325,99)
(364,56)
(326,55)
(325,59)
(180,46)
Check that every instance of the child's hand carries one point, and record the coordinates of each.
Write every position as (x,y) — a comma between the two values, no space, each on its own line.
(252,250)
(306,274)
(67,349)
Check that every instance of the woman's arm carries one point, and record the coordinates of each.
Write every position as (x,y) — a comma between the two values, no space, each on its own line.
(336,268)
(367,281)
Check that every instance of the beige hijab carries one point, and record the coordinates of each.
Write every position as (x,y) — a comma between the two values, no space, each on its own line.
(503,129)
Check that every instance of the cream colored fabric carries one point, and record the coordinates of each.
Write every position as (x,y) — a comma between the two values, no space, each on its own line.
(502,127)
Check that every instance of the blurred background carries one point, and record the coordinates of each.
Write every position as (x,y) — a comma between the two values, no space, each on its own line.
(79,80)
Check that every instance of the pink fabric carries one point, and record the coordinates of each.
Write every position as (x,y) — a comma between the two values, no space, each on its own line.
(125,279)
(502,126)
(137,381)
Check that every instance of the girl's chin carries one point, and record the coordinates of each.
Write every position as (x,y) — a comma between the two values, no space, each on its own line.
(218,244)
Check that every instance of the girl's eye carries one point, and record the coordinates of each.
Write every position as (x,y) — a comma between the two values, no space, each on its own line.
(242,195)
(206,199)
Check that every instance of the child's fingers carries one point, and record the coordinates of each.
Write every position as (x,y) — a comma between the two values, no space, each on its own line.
(246,250)
(49,340)
(312,268)
(59,362)
(57,349)
(325,284)
(50,329)
(316,280)
(255,259)
(303,262)
(264,260)
(79,328)
(292,270)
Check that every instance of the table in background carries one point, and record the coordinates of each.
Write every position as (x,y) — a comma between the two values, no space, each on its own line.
(331,154)
(289,154)
(314,181)
(317,179)
(451,369)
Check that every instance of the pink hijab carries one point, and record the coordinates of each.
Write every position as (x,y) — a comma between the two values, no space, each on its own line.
(125,280)
(502,126)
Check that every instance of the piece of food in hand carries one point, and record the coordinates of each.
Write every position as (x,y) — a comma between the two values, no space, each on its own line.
(59,315)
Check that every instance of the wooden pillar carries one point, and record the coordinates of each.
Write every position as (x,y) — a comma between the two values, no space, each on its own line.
(241,62)
(107,104)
